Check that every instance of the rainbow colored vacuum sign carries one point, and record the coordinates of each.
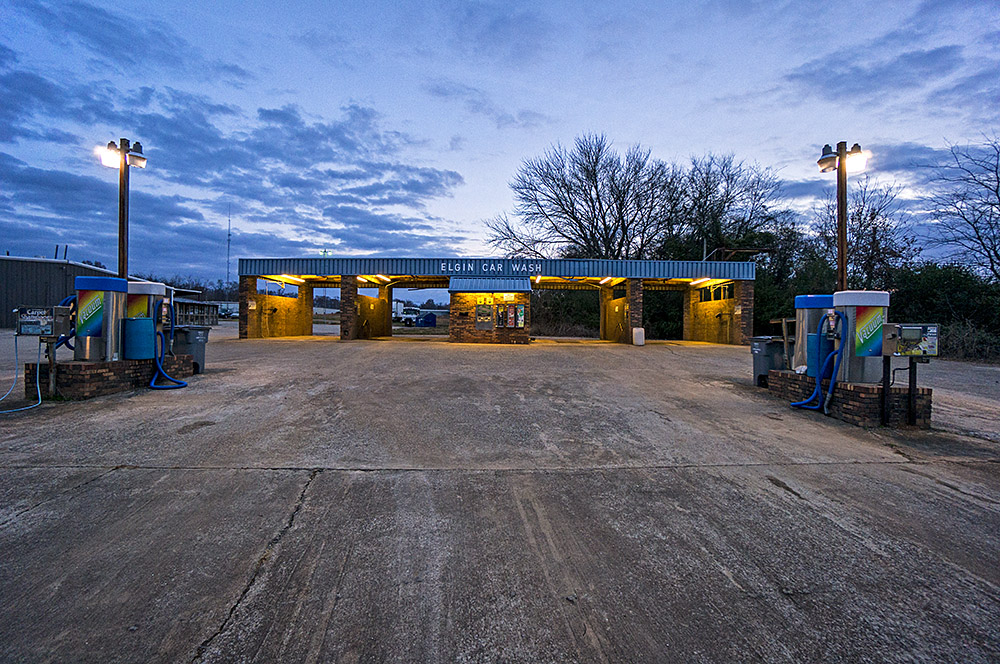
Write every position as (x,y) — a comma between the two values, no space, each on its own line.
(868,331)
(90,316)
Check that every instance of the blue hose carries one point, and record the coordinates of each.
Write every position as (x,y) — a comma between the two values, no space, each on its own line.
(38,385)
(63,340)
(818,391)
(158,358)
(15,371)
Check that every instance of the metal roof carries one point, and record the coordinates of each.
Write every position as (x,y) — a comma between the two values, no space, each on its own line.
(489,285)
(499,267)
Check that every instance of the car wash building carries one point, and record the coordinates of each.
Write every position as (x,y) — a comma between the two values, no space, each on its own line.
(491,297)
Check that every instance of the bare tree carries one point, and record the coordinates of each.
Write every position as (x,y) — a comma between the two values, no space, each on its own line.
(728,201)
(878,234)
(967,206)
(592,202)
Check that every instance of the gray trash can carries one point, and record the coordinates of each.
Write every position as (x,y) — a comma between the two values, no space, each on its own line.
(768,354)
(191,340)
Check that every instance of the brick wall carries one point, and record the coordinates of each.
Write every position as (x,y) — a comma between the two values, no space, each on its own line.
(743,313)
(633,293)
(727,321)
(857,403)
(462,320)
(84,380)
(273,315)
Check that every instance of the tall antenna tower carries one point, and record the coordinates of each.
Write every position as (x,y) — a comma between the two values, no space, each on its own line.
(229,241)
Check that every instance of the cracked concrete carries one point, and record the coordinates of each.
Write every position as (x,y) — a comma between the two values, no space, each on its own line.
(310,500)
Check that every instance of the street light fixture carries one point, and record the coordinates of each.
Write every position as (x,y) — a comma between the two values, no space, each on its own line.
(122,156)
(842,161)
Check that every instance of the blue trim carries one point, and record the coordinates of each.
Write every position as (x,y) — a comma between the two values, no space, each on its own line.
(814,301)
(498,267)
(113,284)
(489,285)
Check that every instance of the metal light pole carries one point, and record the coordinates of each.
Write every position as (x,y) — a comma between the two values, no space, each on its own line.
(123,211)
(123,155)
(842,160)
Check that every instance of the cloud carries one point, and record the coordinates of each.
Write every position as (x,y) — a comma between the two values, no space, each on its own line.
(500,32)
(805,189)
(40,207)
(332,48)
(477,102)
(976,95)
(127,45)
(31,101)
(170,235)
(296,183)
(906,158)
(7,57)
(846,74)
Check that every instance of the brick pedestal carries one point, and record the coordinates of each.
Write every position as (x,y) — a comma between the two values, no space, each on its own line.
(857,403)
(84,380)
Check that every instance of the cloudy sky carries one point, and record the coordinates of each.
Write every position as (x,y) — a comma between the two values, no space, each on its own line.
(393,128)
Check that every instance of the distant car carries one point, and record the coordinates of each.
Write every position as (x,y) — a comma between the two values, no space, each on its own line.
(229,314)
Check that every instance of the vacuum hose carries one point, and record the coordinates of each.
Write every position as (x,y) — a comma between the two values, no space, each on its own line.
(158,358)
(38,385)
(822,402)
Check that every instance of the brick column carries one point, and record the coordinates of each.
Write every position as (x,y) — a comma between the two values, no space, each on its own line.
(743,320)
(247,291)
(633,293)
(348,307)
(305,312)
(690,297)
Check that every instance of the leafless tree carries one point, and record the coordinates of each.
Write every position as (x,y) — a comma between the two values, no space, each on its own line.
(590,201)
(878,233)
(966,206)
(727,201)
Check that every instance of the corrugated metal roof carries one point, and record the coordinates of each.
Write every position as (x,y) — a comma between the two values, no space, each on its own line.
(500,267)
(489,285)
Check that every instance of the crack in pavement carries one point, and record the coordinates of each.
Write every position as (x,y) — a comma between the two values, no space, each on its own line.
(61,493)
(261,561)
(501,469)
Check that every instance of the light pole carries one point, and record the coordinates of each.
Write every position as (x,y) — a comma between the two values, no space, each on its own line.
(843,161)
(122,156)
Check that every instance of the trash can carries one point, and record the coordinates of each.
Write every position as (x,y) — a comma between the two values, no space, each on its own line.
(191,340)
(767,354)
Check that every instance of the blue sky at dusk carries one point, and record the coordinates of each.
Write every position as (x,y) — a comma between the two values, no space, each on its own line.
(393,128)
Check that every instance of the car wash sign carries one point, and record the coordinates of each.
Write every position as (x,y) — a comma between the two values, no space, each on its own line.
(491,267)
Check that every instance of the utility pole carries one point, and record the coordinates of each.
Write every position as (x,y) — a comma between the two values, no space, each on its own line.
(229,241)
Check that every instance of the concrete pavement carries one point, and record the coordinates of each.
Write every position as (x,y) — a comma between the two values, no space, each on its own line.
(312,500)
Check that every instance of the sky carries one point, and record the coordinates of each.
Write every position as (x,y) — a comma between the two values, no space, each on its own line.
(394,128)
